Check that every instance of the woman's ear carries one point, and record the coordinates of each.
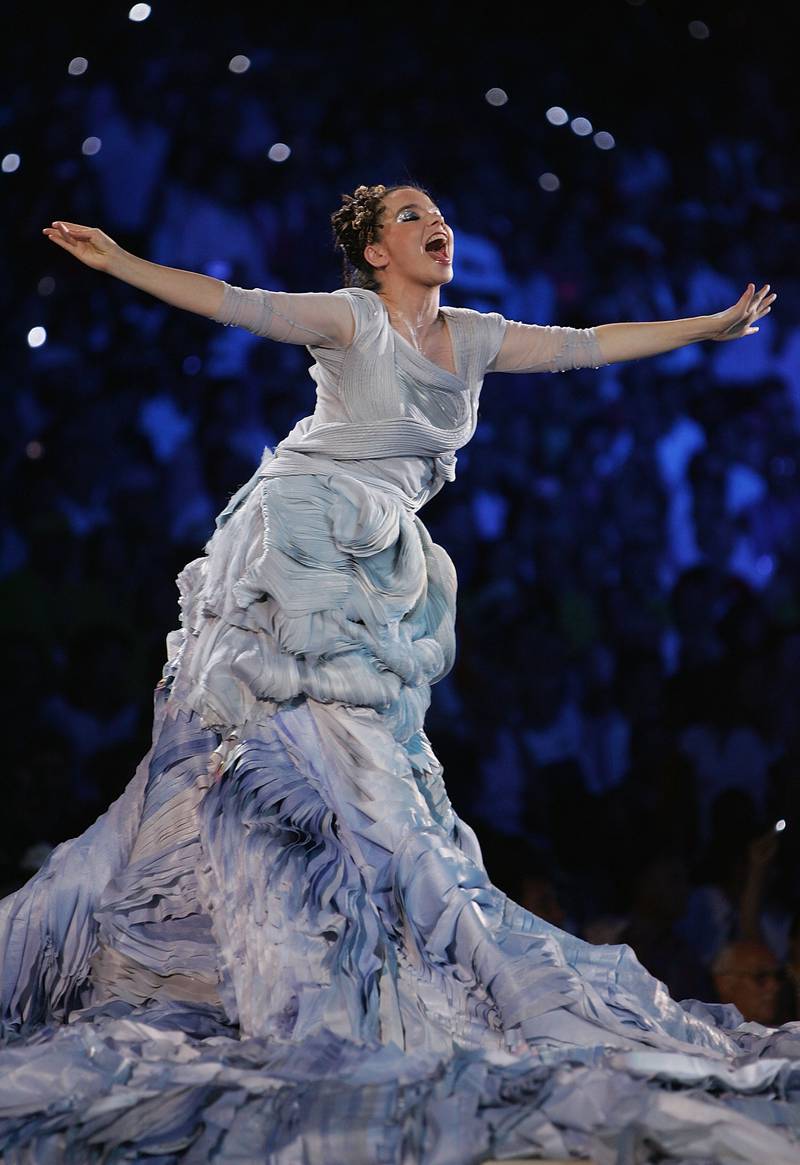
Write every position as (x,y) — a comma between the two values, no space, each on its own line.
(375,255)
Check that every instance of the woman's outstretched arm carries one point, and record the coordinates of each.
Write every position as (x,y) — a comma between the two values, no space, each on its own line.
(632,341)
(537,348)
(315,317)
(185,289)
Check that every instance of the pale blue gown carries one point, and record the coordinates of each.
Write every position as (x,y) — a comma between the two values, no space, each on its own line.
(280,944)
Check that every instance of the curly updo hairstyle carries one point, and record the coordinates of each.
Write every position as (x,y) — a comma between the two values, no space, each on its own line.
(356,224)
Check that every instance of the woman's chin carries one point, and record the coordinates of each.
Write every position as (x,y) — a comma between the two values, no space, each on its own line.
(440,274)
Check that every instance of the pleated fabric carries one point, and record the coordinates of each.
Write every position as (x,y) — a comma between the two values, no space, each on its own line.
(281,944)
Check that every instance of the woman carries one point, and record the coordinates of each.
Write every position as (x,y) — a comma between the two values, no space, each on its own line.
(285,865)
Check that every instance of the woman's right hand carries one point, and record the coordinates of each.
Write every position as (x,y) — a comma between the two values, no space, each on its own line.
(89,244)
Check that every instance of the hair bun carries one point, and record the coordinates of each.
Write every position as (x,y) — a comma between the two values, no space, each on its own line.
(355,226)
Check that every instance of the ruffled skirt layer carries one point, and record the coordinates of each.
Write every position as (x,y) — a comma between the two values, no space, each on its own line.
(314,586)
(281,944)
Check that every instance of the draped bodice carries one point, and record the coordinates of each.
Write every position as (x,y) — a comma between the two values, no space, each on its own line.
(392,415)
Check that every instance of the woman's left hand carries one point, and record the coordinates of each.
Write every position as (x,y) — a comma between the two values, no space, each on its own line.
(740,319)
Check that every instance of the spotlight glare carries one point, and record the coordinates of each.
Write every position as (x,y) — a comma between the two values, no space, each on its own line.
(10,163)
(36,337)
(77,66)
(139,12)
(496,96)
(218,269)
(581,126)
(91,146)
(279,152)
(604,140)
(780,825)
(549,181)
(239,64)
(698,30)
(556,115)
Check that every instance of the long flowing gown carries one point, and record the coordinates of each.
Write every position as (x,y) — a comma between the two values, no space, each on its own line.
(280,944)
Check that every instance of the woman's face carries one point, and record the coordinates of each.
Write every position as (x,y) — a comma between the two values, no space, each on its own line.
(413,242)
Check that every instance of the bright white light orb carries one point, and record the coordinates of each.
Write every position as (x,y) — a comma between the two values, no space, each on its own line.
(36,337)
(549,181)
(279,152)
(556,115)
(139,12)
(91,146)
(496,96)
(604,140)
(239,64)
(780,825)
(581,126)
(10,163)
(77,66)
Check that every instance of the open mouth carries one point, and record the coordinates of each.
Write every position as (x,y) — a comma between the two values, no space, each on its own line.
(438,248)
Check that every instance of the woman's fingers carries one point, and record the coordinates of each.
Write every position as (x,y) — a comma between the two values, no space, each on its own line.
(758,302)
(76,232)
(765,302)
(73,226)
(59,233)
(73,232)
(55,237)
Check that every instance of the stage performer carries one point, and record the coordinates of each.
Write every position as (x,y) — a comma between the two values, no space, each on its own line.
(281,943)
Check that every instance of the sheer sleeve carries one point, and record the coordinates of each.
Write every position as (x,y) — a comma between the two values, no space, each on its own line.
(546,348)
(318,318)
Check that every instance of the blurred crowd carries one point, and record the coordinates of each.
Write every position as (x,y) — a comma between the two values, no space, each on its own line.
(620,726)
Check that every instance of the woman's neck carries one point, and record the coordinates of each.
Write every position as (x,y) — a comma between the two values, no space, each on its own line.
(413,310)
